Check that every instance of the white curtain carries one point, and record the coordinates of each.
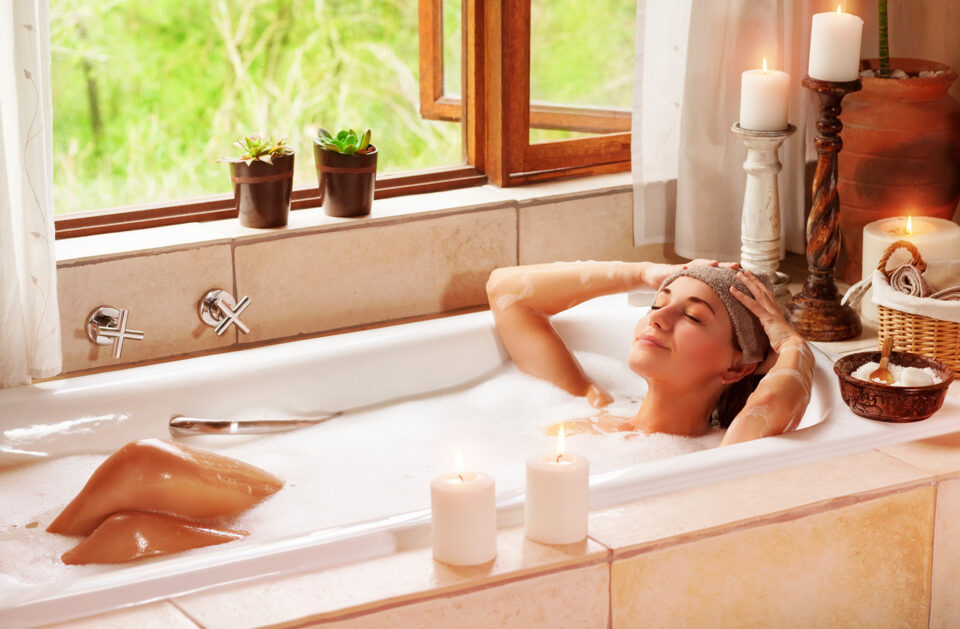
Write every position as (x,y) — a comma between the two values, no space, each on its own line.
(687,165)
(29,314)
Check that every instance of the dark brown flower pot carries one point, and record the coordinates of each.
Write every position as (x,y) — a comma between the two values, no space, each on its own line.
(346,181)
(262,191)
(901,153)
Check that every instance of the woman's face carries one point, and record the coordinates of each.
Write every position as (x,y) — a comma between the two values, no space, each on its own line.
(686,340)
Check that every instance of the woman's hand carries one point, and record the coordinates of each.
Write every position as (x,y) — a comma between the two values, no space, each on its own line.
(766,308)
(655,274)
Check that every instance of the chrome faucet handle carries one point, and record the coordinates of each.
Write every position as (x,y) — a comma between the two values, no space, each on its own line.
(219,309)
(108,325)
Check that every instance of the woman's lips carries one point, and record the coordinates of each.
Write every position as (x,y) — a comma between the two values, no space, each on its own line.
(651,341)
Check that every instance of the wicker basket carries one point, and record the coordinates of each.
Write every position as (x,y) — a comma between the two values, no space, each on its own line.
(933,338)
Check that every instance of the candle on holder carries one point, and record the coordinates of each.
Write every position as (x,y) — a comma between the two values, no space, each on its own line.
(835,47)
(464,517)
(558,496)
(764,99)
(933,238)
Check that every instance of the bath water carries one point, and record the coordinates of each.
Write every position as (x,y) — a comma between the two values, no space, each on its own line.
(366,464)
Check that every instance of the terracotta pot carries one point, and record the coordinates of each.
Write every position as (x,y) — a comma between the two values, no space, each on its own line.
(262,191)
(901,153)
(346,181)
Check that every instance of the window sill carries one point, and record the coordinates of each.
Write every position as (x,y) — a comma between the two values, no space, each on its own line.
(119,245)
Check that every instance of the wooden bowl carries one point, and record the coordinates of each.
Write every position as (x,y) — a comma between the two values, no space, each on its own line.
(889,403)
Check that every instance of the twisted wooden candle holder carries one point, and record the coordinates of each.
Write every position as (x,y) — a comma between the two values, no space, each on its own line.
(816,311)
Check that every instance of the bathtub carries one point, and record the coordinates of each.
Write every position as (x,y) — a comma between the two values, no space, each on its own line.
(100,412)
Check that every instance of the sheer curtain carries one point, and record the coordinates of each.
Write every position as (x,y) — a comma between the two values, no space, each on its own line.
(29,314)
(688,166)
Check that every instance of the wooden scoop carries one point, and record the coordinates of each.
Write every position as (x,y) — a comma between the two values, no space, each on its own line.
(881,374)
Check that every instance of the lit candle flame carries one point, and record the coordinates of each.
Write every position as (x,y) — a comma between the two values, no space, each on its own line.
(764,65)
(561,439)
(909,225)
(458,464)
(838,9)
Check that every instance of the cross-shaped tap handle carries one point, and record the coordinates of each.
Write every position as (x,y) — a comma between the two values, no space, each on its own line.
(219,310)
(108,325)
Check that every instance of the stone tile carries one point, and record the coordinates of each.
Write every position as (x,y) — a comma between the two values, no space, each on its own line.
(578,599)
(404,577)
(168,237)
(161,615)
(325,281)
(384,210)
(863,565)
(704,510)
(945,589)
(161,291)
(595,228)
(937,455)
(560,189)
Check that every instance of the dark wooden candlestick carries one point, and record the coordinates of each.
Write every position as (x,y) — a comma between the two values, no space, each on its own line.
(816,311)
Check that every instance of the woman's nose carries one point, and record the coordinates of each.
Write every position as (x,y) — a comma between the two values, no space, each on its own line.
(660,318)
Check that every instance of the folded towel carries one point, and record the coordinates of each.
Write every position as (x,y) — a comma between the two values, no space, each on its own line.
(947,294)
(907,279)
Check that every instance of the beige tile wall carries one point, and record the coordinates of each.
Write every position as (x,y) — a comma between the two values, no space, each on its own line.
(864,565)
(410,259)
(945,595)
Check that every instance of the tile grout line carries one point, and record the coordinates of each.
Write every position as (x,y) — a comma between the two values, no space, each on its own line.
(933,557)
(185,613)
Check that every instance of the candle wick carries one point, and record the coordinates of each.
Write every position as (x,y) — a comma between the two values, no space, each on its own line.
(460,476)
(558,457)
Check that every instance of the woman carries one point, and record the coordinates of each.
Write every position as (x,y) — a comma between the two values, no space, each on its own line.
(710,334)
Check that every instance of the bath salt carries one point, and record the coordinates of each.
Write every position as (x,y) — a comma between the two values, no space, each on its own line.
(903,376)
(367,464)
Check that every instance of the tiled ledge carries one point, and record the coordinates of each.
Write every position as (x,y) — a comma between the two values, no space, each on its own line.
(415,256)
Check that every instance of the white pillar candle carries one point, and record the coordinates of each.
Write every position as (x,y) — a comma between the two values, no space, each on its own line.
(933,237)
(764,99)
(835,47)
(464,517)
(558,497)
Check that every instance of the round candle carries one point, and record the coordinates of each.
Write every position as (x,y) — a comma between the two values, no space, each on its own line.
(558,497)
(464,518)
(835,47)
(764,99)
(933,237)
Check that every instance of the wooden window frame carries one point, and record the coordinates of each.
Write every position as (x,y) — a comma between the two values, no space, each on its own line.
(495,122)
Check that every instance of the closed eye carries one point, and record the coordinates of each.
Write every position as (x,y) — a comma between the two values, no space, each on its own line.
(692,318)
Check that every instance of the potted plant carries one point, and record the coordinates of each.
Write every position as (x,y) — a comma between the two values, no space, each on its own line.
(262,181)
(901,146)
(346,171)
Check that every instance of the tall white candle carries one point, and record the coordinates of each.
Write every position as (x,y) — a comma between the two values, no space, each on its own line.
(558,497)
(835,46)
(933,237)
(764,99)
(464,517)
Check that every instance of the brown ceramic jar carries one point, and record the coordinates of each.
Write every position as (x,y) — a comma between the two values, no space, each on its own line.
(901,153)
(262,191)
(346,181)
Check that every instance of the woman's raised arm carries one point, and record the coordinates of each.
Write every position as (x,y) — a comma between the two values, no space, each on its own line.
(523,298)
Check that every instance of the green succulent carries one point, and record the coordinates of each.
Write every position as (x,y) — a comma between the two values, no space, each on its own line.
(259,148)
(348,141)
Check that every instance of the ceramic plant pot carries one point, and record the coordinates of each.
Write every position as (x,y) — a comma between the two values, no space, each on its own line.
(901,153)
(262,191)
(346,181)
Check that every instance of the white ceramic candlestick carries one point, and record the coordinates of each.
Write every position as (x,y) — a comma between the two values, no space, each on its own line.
(464,517)
(760,220)
(764,99)
(835,47)
(557,501)
(933,237)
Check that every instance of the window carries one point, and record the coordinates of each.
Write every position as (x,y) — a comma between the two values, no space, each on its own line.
(148,95)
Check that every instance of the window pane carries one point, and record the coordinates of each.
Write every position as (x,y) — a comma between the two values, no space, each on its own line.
(147,95)
(451,47)
(581,54)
